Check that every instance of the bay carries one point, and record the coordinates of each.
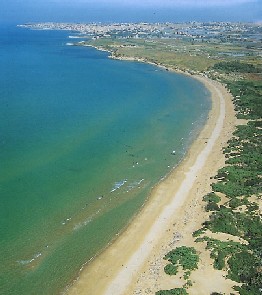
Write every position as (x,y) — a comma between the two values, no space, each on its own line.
(83,140)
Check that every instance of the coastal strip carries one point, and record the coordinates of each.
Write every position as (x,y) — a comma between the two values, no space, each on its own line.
(118,269)
(124,277)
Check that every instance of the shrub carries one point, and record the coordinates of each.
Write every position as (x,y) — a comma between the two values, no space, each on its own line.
(236,66)
(198,232)
(212,207)
(184,256)
(211,197)
(176,291)
(171,269)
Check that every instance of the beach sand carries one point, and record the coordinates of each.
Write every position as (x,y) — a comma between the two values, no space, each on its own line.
(133,263)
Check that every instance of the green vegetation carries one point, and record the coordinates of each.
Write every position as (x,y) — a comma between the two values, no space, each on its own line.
(176,291)
(220,251)
(171,269)
(179,54)
(247,99)
(198,232)
(242,175)
(186,257)
(212,199)
(236,66)
(185,54)
(238,181)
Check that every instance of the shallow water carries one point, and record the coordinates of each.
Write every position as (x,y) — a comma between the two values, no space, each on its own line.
(83,140)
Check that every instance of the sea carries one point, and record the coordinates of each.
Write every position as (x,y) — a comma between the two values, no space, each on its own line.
(83,140)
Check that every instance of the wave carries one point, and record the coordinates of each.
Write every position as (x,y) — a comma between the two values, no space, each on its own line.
(87,221)
(134,184)
(26,262)
(118,184)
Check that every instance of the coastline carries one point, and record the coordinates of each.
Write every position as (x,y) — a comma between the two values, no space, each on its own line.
(125,267)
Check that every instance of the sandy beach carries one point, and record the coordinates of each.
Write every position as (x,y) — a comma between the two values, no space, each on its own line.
(133,264)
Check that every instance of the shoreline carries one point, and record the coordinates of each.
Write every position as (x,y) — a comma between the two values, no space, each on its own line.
(119,267)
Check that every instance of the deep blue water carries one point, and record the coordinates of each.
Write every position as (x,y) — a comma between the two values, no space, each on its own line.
(83,139)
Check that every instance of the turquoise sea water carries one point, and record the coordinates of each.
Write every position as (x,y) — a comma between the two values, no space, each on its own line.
(83,139)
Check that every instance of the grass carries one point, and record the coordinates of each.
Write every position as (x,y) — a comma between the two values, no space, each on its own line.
(181,54)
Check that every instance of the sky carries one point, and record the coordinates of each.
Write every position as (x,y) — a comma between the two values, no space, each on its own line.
(20,11)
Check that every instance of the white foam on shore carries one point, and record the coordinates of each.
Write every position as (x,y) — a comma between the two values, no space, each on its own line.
(75,37)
